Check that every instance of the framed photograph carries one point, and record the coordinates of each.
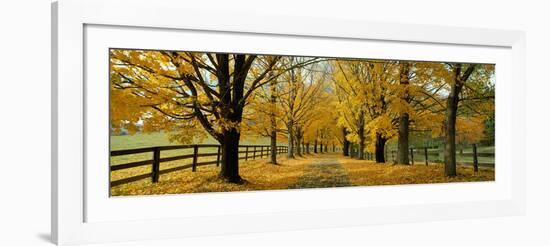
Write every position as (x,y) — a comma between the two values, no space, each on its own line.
(165,126)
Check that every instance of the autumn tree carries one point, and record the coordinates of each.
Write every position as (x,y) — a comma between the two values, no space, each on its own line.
(451,100)
(366,88)
(380,91)
(351,101)
(301,92)
(190,94)
(416,103)
(467,83)
(423,89)
(263,115)
(324,130)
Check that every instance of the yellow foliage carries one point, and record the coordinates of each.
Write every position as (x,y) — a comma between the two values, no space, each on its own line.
(159,90)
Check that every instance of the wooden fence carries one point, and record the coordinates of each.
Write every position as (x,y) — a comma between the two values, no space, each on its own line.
(249,151)
(435,155)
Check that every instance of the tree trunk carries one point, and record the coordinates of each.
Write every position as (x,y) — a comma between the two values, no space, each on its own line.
(346,143)
(230,156)
(290,124)
(361,154)
(298,144)
(321,145)
(379,148)
(474,153)
(273,147)
(315,146)
(307,147)
(290,153)
(450,122)
(232,111)
(403,132)
(273,119)
(403,140)
(450,132)
(361,133)
(298,140)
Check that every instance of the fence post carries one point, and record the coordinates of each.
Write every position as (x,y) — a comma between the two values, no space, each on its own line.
(261,152)
(412,156)
(246,154)
(254,153)
(475,157)
(218,158)
(195,153)
(156,165)
(426,155)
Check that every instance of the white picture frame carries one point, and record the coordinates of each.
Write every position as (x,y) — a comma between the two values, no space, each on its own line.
(81,213)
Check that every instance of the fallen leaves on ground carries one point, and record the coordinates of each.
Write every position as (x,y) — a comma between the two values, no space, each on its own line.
(258,175)
(362,172)
(261,175)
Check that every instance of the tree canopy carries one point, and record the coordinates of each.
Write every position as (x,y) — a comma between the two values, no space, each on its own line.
(301,101)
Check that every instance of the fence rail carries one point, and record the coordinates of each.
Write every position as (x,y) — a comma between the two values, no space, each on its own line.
(427,154)
(249,151)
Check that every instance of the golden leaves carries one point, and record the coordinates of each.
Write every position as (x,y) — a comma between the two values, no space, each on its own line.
(370,173)
(375,93)
(260,176)
(155,90)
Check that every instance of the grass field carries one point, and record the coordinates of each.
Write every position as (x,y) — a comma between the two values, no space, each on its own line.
(140,140)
